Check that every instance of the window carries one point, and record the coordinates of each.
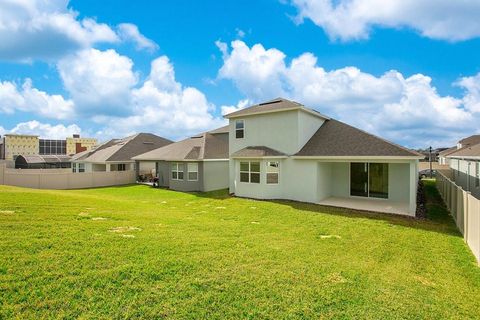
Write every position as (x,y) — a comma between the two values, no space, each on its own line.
(192,171)
(477,174)
(177,171)
(81,167)
(122,167)
(239,129)
(74,167)
(250,172)
(369,180)
(272,172)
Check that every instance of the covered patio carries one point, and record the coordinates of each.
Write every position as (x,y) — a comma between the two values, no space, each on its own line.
(368,204)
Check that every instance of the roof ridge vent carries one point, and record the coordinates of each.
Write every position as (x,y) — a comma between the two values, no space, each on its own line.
(270,102)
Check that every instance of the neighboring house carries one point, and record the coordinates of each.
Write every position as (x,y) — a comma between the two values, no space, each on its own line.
(282,150)
(199,163)
(443,156)
(465,164)
(117,154)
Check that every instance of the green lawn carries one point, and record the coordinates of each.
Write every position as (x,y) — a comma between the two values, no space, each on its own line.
(138,252)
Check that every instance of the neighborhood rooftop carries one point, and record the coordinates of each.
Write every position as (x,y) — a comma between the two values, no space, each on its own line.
(335,138)
(468,141)
(208,145)
(470,151)
(275,105)
(123,149)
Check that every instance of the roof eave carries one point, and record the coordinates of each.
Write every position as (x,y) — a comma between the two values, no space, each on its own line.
(357,157)
(233,115)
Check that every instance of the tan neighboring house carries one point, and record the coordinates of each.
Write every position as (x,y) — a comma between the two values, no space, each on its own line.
(77,144)
(199,163)
(281,149)
(443,157)
(13,145)
(465,165)
(117,154)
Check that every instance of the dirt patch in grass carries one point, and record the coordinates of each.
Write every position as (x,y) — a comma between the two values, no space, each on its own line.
(124,229)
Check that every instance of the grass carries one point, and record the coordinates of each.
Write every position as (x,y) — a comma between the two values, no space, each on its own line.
(138,252)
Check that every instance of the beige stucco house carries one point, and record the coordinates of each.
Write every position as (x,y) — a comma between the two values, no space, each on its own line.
(281,149)
(198,163)
(465,165)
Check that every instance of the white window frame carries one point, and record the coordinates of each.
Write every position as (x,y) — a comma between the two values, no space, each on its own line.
(192,171)
(176,169)
(277,172)
(74,167)
(249,172)
(242,129)
(81,167)
(123,165)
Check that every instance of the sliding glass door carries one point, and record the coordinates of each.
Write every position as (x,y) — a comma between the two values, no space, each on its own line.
(369,179)
(359,179)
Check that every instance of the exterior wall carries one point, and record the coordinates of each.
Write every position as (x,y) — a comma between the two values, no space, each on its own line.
(20,145)
(287,131)
(215,175)
(464,175)
(163,173)
(63,178)
(87,143)
(308,124)
(314,181)
(185,185)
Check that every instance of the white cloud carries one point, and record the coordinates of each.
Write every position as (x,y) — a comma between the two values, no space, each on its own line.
(354,19)
(407,110)
(226,109)
(26,27)
(29,99)
(253,68)
(99,81)
(44,130)
(164,106)
(472,96)
(129,32)
(49,30)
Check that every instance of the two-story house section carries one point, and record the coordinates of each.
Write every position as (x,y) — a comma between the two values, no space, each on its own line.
(281,149)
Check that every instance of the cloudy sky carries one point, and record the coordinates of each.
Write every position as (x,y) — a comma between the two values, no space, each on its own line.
(407,70)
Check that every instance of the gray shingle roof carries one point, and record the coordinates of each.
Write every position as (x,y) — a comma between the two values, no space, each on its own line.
(470,151)
(335,138)
(257,152)
(468,141)
(275,105)
(448,151)
(208,145)
(123,149)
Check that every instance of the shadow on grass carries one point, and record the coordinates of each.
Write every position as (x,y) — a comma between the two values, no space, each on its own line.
(438,218)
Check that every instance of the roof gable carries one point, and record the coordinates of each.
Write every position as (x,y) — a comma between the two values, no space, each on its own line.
(275,105)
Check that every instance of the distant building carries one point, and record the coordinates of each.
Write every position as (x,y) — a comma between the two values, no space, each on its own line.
(12,145)
(76,144)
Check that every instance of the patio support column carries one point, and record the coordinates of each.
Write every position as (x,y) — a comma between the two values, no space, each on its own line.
(413,186)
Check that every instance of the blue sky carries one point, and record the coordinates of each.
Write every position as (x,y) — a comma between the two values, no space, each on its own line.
(407,71)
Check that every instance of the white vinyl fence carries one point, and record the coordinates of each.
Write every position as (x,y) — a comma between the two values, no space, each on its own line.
(465,210)
(63,178)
